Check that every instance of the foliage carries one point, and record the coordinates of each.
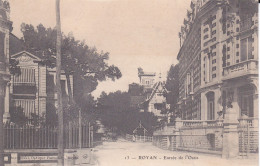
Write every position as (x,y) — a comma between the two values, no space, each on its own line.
(14,68)
(172,85)
(86,64)
(17,116)
(116,112)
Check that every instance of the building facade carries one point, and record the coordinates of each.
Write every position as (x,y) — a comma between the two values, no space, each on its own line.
(219,59)
(33,90)
(5,29)
(148,95)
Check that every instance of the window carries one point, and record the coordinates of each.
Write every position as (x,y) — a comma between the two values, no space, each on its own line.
(205,44)
(228,41)
(237,54)
(206,36)
(228,48)
(246,49)
(237,61)
(27,76)
(210,102)
(228,64)
(206,30)
(214,61)
(214,32)
(228,56)
(228,33)
(237,21)
(213,47)
(214,75)
(237,37)
(214,54)
(237,30)
(228,25)
(214,68)
(214,39)
(237,45)
(213,25)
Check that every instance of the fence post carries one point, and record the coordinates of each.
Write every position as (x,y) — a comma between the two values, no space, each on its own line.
(230,134)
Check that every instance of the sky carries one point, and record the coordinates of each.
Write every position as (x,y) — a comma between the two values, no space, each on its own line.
(136,33)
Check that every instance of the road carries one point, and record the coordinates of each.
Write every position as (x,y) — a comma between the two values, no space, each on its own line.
(125,153)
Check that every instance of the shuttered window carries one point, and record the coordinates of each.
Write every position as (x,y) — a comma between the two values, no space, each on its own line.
(27,76)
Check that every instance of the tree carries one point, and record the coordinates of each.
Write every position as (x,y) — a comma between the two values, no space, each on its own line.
(86,64)
(17,116)
(116,111)
(172,85)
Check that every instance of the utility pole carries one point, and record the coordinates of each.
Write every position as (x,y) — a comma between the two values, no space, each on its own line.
(58,87)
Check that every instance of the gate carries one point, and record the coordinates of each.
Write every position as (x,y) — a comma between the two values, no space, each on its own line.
(248,137)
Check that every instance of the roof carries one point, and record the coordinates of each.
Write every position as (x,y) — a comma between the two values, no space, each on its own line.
(155,88)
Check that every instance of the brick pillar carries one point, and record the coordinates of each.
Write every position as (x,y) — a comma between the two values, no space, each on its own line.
(230,134)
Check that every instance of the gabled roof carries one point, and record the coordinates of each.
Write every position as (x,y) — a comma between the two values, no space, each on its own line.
(22,53)
(155,89)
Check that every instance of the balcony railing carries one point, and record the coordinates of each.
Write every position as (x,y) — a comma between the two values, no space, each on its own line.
(241,69)
(250,121)
(199,123)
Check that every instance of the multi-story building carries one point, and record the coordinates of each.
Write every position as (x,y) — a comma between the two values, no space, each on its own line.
(219,59)
(33,90)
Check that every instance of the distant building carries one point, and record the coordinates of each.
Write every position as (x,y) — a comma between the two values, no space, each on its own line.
(219,59)
(149,95)
(34,89)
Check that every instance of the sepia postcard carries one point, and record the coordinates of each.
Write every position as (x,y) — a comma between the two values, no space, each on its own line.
(129,83)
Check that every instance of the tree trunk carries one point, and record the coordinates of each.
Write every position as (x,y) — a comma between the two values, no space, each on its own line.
(71,100)
(58,87)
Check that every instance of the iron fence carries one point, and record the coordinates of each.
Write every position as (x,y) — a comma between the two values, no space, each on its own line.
(29,137)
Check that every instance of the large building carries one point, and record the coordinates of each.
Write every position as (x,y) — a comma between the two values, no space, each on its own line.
(219,59)
(33,90)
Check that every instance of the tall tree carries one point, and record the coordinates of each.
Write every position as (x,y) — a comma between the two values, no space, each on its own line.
(58,87)
(172,85)
(86,64)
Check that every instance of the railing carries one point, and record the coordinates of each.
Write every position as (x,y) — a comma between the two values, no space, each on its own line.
(242,68)
(199,123)
(249,121)
(248,135)
(28,137)
(138,138)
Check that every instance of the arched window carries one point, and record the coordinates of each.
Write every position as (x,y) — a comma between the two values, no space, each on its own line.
(246,100)
(210,105)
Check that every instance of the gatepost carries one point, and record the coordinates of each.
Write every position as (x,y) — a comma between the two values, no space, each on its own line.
(230,134)
(178,126)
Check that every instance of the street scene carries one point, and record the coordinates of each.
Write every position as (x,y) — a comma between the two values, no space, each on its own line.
(129,82)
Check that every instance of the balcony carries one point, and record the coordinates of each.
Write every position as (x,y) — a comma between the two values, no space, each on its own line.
(240,69)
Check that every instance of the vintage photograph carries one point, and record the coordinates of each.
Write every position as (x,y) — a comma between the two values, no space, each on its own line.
(129,83)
